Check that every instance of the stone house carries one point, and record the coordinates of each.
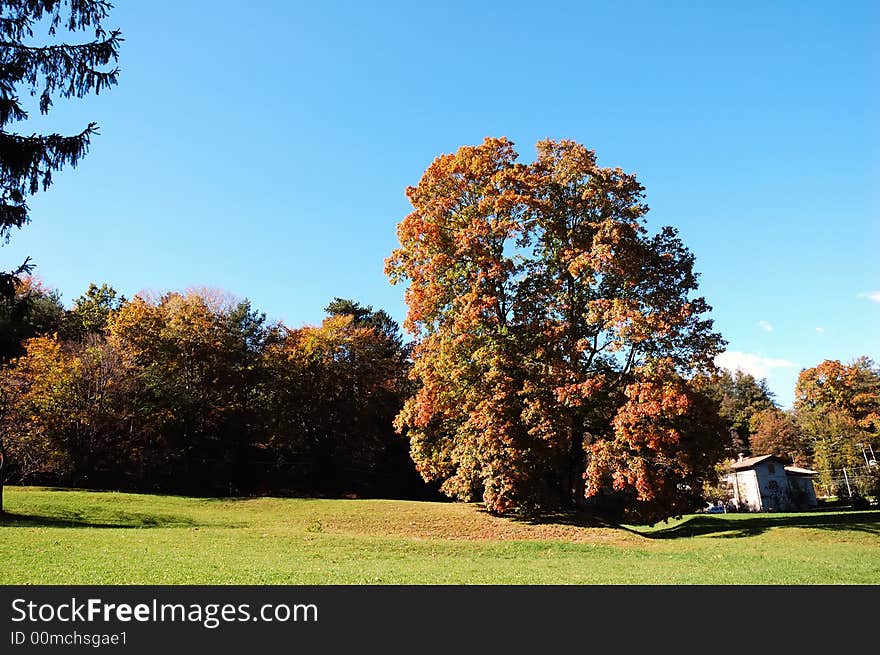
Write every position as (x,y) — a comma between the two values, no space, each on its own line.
(765,484)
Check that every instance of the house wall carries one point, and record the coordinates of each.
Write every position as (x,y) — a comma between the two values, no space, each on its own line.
(805,486)
(746,494)
(773,486)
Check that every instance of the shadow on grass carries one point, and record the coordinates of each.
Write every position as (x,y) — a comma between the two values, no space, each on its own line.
(575,519)
(730,526)
(74,520)
(744,525)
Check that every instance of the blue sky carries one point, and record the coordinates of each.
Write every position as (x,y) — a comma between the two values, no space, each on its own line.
(264,148)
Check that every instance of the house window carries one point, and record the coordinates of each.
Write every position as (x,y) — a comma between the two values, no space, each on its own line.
(771,468)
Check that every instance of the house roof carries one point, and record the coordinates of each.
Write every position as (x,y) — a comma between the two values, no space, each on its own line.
(796,470)
(749,462)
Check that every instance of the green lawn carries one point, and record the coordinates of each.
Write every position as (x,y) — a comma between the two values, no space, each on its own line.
(81,537)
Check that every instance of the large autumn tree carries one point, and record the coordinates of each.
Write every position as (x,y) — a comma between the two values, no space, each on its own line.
(553,335)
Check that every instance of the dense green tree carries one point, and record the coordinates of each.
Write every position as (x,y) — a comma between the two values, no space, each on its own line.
(740,396)
(33,310)
(91,311)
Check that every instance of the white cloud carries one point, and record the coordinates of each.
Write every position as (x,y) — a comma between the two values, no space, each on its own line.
(820,330)
(871,295)
(765,325)
(758,366)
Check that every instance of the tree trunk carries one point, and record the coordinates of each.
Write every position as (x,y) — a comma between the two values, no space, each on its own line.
(575,468)
(573,472)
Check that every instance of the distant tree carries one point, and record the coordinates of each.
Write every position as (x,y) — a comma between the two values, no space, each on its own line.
(91,310)
(333,392)
(34,309)
(393,471)
(27,308)
(62,423)
(365,316)
(37,418)
(774,432)
(195,361)
(833,439)
(47,72)
(852,388)
(740,396)
(837,408)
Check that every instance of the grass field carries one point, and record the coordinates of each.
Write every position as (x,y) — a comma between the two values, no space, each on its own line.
(81,537)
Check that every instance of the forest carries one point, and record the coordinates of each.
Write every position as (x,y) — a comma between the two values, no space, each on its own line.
(195,392)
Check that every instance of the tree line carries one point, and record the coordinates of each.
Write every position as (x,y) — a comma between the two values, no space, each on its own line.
(197,393)
(833,425)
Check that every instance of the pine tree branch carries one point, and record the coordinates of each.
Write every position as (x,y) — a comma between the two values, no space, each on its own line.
(9,280)
(15,27)
(71,70)
(26,163)
(12,214)
(82,13)
(10,109)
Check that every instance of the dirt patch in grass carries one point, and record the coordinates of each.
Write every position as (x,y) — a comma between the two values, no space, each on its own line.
(461,522)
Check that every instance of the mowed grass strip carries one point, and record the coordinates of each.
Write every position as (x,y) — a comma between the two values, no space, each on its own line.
(82,537)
